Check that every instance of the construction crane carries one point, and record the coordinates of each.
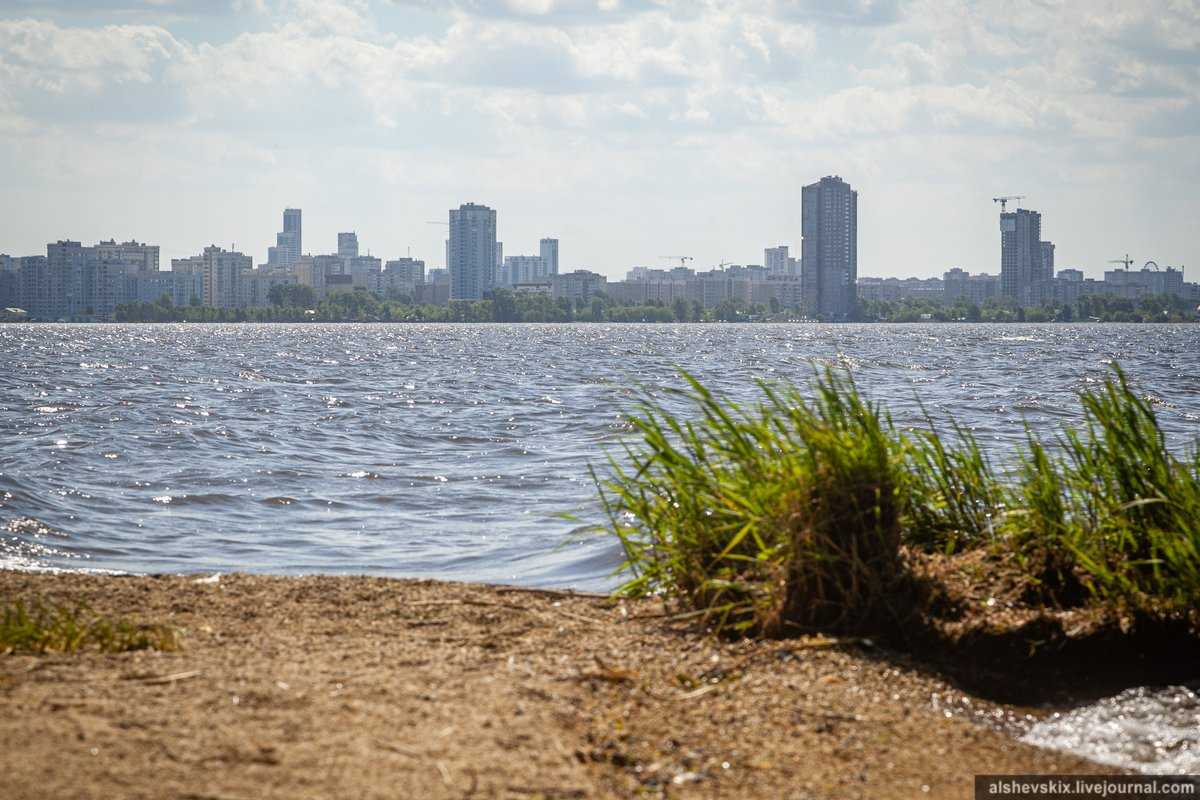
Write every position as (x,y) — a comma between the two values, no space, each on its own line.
(682,259)
(724,264)
(1124,262)
(1003,201)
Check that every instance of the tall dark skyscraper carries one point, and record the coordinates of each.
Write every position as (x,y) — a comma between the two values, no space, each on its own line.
(348,245)
(548,249)
(829,249)
(289,244)
(1021,266)
(471,254)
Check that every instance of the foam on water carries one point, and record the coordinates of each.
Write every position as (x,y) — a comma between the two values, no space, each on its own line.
(1149,730)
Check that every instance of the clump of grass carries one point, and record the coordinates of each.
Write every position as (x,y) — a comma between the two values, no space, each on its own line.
(955,496)
(1116,503)
(41,627)
(781,516)
(791,514)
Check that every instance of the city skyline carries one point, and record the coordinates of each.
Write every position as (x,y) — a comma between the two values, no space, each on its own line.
(165,122)
(288,249)
(1027,262)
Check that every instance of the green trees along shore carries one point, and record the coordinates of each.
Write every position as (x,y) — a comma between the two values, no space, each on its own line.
(1099,308)
(299,304)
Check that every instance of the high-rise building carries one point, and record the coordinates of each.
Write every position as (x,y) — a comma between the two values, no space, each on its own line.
(578,286)
(408,270)
(472,253)
(76,282)
(548,250)
(829,249)
(37,288)
(961,285)
(402,276)
(1021,254)
(181,288)
(348,245)
(777,261)
(64,280)
(1047,260)
(221,274)
(1150,279)
(142,257)
(523,269)
(364,272)
(10,281)
(289,243)
(313,271)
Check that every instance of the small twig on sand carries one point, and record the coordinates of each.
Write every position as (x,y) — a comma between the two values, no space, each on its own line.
(151,680)
(395,748)
(703,690)
(492,604)
(547,791)
(570,593)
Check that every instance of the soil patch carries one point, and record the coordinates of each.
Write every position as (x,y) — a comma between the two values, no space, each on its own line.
(374,688)
(984,622)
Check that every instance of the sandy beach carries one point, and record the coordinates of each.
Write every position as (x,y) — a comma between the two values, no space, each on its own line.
(374,688)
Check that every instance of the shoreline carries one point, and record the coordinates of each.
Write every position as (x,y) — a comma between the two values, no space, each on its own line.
(379,687)
(1148,323)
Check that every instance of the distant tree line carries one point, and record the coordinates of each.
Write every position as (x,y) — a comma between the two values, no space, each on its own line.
(1097,308)
(292,303)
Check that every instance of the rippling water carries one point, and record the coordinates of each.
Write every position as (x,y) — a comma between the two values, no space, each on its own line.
(1149,731)
(448,451)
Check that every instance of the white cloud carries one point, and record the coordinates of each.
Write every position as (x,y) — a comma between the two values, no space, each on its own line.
(545,104)
(48,57)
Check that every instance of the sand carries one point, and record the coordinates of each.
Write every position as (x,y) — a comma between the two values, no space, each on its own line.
(356,687)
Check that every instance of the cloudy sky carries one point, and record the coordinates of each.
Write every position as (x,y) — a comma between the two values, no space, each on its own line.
(630,129)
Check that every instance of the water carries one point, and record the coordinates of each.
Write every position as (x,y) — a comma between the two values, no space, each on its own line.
(1149,731)
(449,451)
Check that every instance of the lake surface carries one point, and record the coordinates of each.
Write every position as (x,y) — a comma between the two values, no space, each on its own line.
(449,451)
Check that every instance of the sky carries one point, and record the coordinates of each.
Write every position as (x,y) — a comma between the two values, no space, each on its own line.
(631,130)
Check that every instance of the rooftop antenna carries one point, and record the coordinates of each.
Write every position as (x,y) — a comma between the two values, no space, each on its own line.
(1003,201)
